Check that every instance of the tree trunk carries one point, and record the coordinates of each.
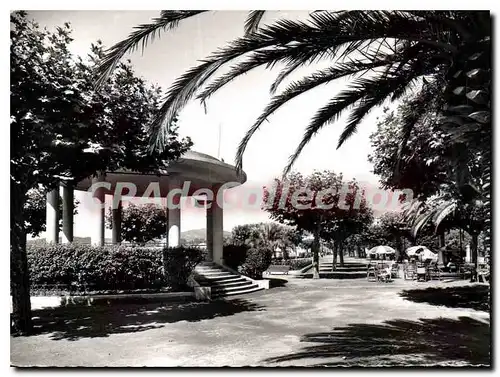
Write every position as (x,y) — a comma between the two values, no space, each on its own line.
(315,251)
(474,256)
(341,254)
(19,274)
(398,248)
(335,252)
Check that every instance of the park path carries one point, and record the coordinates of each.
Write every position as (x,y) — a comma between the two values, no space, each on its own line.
(260,329)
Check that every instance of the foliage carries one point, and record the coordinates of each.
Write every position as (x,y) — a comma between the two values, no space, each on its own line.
(179,263)
(61,129)
(234,255)
(35,212)
(271,235)
(423,165)
(295,264)
(321,203)
(246,234)
(85,268)
(140,223)
(442,57)
(257,261)
(398,49)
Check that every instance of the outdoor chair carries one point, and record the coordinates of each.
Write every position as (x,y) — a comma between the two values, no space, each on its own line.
(371,272)
(384,273)
(434,271)
(422,272)
(395,270)
(410,271)
(483,274)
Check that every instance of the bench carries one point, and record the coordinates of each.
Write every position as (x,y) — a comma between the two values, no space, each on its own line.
(278,269)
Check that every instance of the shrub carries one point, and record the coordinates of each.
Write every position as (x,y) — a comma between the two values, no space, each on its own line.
(295,264)
(256,262)
(234,255)
(85,268)
(178,263)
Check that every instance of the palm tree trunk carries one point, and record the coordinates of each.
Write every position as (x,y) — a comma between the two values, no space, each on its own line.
(20,285)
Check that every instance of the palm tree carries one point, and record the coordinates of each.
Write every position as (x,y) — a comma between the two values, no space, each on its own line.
(465,210)
(442,57)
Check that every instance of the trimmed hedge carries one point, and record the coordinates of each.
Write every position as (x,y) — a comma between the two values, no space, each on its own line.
(178,263)
(234,255)
(295,264)
(251,262)
(85,268)
(256,262)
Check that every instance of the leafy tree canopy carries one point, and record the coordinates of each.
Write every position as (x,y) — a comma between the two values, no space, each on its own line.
(140,223)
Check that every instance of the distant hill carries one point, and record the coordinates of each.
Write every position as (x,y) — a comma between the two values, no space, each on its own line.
(198,235)
(189,236)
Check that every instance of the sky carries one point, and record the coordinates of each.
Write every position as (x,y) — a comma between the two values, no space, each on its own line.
(233,109)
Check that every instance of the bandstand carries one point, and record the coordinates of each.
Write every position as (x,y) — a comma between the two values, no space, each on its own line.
(199,172)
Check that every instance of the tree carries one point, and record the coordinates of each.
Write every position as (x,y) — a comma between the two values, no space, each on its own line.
(424,165)
(319,203)
(443,173)
(35,212)
(247,234)
(61,130)
(140,223)
(269,235)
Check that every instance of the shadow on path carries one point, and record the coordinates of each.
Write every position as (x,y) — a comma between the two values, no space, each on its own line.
(399,343)
(77,322)
(472,296)
(276,282)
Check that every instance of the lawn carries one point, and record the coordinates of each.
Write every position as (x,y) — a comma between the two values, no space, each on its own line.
(297,323)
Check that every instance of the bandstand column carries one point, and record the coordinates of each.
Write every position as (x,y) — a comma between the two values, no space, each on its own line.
(174,216)
(67,213)
(52,216)
(210,239)
(217,228)
(98,196)
(116,231)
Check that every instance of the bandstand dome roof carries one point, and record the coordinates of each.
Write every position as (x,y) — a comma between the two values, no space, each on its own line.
(200,169)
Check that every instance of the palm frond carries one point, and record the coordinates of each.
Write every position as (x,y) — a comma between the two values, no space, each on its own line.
(419,222)
(443,211)
(297,88)
(283,75)
(253,20)
(325,115)
(366,92)
(168,20)
(185,87)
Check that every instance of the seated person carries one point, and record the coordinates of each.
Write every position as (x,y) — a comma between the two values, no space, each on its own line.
(385,273)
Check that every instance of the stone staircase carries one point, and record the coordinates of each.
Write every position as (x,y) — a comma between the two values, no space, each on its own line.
(223,282)
(352,269)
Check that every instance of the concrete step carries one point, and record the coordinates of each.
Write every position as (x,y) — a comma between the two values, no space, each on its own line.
(228,283)
(207,268)
(213,273)
(237,283)
(254,288)
(217,289)
(336,275)
(218,279)
(346,265)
